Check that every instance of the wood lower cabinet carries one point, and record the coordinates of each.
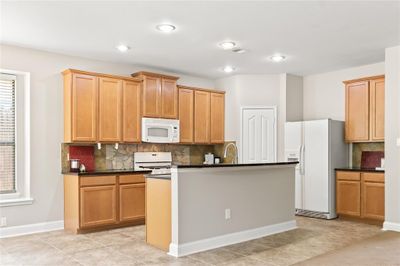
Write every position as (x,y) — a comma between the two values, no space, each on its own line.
(365,109)
(104,201)
(98,206)
(131,202)
(110,110)
(360,194)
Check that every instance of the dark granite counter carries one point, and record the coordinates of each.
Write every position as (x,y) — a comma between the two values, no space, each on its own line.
(232,165)
(107,172)
(358,169)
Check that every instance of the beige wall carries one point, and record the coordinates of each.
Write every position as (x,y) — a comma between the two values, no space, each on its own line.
(294,98)
(47,124)
(203,195)
(392,132)
(324,95)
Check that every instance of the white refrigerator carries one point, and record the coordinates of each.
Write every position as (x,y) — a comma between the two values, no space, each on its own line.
(319,147)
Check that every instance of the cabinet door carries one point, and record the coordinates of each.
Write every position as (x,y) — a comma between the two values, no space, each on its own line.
(201,117)
(151,97)
(131,112)
(357,111)
(217,117)
(373,200)
(131,202)
(169,99)
(377,90)
(84,108)
(98,206)
(110,110)
(348,197)
(186,119)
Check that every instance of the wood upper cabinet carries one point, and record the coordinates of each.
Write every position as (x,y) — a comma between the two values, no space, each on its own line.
(365,109)
(186,115)
(131,111)
(169,98)
(131,202)
(217,102)
(357,111)
(202,119)
(98,206)
(160,95)
(151,96)
(80,107)
(110,110)
(377,103)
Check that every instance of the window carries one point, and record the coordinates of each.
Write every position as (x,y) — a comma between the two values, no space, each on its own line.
(14,138)
(7,134)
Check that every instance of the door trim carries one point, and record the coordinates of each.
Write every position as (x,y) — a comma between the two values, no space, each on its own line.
(256,107)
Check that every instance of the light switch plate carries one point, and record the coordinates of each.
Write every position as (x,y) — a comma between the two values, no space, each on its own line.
(398,142)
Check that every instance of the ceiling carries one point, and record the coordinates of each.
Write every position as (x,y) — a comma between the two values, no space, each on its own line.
(316,36)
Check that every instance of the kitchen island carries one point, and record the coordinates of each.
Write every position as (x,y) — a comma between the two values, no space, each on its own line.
(218,205)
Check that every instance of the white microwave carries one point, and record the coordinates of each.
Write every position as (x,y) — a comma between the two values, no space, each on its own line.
(157,130)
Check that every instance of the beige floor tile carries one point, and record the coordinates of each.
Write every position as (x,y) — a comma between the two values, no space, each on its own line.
(102,256)
(247,248)
(107,238)
(216,256)
(246,261)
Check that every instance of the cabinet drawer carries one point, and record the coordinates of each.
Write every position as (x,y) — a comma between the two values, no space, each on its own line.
(373,177)
(97,180)
(129,179)
(353,176)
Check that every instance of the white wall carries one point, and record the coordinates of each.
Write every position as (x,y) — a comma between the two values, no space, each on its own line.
(250,90)
(47,124)
(324,94)
(392,132)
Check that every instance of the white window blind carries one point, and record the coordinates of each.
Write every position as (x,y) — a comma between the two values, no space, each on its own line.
(7,134)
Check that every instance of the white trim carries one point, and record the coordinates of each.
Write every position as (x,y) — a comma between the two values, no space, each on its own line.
(229,239)
(274,108)
(389,226)
(31,229)
(15,202)
(23,195)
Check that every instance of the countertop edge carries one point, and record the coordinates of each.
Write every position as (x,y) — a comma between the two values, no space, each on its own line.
(106,172)
(233,165)
(369,170)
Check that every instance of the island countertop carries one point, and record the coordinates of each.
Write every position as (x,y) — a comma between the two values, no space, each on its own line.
(233,165)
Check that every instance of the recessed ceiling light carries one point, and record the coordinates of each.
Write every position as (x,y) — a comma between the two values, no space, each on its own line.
(167,28)
(228,69)
(239,50)
(123,48)
(278,58)
(227,45)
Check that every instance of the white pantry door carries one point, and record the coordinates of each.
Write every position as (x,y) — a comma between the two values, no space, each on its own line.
(258,135)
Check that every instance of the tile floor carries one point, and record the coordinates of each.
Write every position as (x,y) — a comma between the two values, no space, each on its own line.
(125,246)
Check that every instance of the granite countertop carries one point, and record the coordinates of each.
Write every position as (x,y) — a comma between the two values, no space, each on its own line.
(359,169)
(232,165)
(107,172)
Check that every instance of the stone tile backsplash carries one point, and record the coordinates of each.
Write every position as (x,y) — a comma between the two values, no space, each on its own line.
(122,158)
(358,148)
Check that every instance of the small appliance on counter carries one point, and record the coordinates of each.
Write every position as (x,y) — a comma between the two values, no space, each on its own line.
(74,165)
(209,158)
(217,160)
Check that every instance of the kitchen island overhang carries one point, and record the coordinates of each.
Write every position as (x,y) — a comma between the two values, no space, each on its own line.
(219,205)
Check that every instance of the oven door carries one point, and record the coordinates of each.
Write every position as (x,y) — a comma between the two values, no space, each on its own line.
(157,133)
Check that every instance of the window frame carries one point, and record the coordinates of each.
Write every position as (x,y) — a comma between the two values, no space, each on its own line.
(22,195)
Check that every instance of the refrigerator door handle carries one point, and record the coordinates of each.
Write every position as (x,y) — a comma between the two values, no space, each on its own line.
(304,160)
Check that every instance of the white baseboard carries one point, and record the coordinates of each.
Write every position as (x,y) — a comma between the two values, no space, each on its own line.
(389,226)
(31,229)
(229,239)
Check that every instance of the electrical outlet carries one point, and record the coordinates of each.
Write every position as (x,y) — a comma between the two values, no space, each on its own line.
(3,221)
(227,214)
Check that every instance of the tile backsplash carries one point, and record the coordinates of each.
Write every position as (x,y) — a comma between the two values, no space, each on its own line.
(122,158)
(358,148)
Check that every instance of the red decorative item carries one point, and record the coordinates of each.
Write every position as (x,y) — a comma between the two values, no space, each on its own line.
(85,154)
(371,159)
